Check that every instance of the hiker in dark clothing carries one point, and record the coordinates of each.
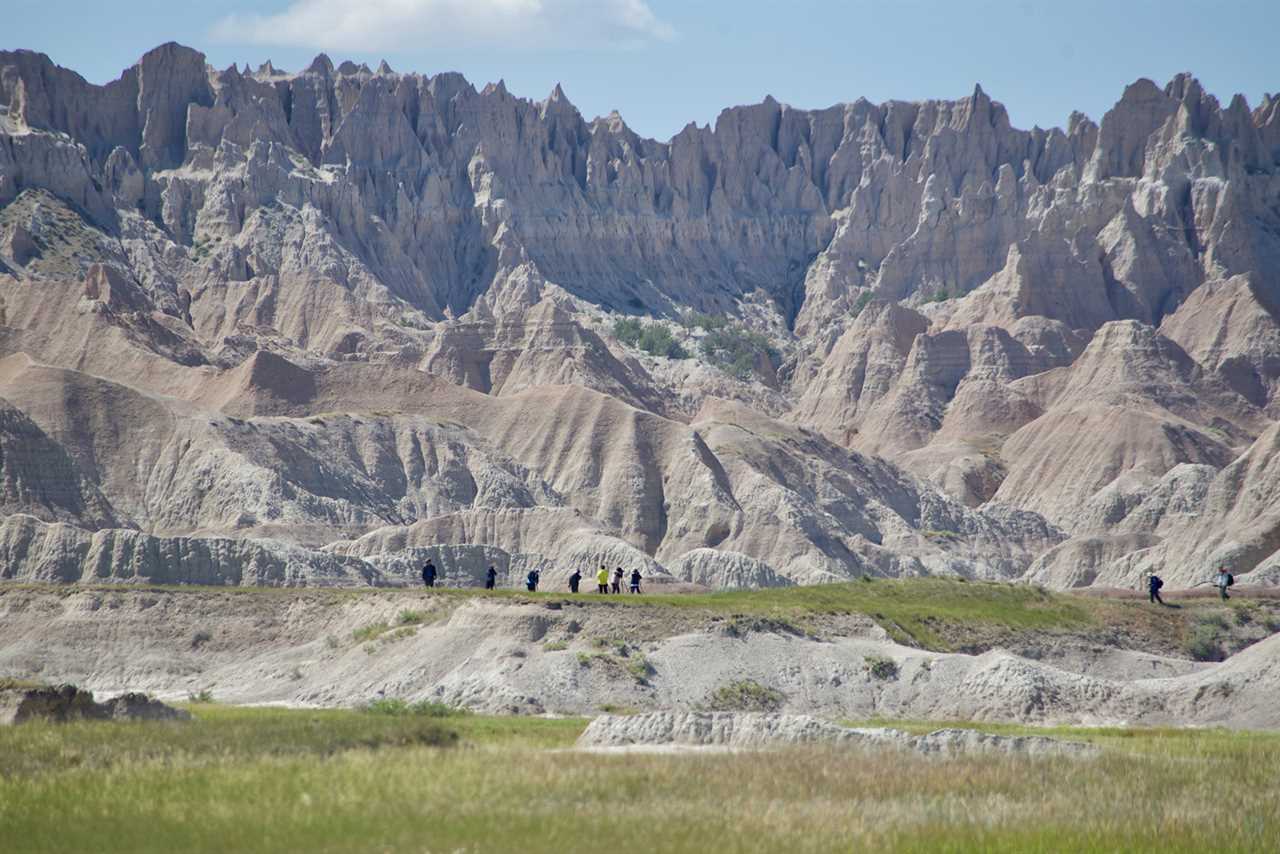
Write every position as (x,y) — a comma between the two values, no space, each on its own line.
(1154,583)
(429,574)
(1223,580)
(617,580)
(574,580)
(635,581)
(532,581)
(490,579)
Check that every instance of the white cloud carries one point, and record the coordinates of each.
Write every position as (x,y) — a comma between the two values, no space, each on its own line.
(365,25)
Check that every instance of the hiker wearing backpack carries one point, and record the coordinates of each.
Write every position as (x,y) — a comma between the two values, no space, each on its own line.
(531,581)
(635,581)
(602,580)
(1223,580)
(490,579)
(429,575)
(574,580)
(617,580)
(1154,583)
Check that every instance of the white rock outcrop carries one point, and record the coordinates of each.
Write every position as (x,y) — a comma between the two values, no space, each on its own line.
(748,730)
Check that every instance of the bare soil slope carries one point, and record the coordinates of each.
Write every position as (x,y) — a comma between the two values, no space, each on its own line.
(1046,660)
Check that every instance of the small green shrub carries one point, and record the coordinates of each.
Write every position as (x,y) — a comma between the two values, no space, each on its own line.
(618,646)
(654,338)
(861,302)
(941,296)
(1202,643)
(628,330)
(657,340)
(640,669)
(204,695)
(554,646)
(1213,621)
(332,642)
(736,350)
(1243,617)
(746,695)
(387,706)
(421,709)
(370,632)
(200,638)
(707,322)
(884,669)
(411,618)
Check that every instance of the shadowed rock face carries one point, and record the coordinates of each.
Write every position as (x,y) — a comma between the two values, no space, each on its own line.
(308,308)
(68,703)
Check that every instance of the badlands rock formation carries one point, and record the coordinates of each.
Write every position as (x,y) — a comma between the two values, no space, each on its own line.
(576,657)
(746,730)
(315,327)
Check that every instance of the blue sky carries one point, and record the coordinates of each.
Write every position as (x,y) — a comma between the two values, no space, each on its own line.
(663,63)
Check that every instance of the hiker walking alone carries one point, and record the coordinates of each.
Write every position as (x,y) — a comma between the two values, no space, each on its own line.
(574,580)
(1154,583)
(490,579)
(602,580)
(429,575)
(635,581)
(1223,580)
(617,580)
(531,580)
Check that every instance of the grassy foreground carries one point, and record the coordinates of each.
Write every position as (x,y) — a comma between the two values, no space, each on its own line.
(272,779)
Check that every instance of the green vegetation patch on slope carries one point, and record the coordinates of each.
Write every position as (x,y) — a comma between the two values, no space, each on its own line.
(916,611)
(737,350)
(654,338)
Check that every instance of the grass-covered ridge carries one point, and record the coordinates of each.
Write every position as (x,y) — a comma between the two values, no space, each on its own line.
(287,780)
(913,610)
(933,613)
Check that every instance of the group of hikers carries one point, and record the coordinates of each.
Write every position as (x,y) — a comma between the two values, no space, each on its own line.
(1221,580)
(613,584)
(604,585)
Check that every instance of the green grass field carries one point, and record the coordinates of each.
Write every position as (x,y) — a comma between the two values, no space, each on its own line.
(292,780)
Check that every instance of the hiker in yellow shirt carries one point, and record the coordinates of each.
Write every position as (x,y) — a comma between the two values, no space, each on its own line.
(602,579)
